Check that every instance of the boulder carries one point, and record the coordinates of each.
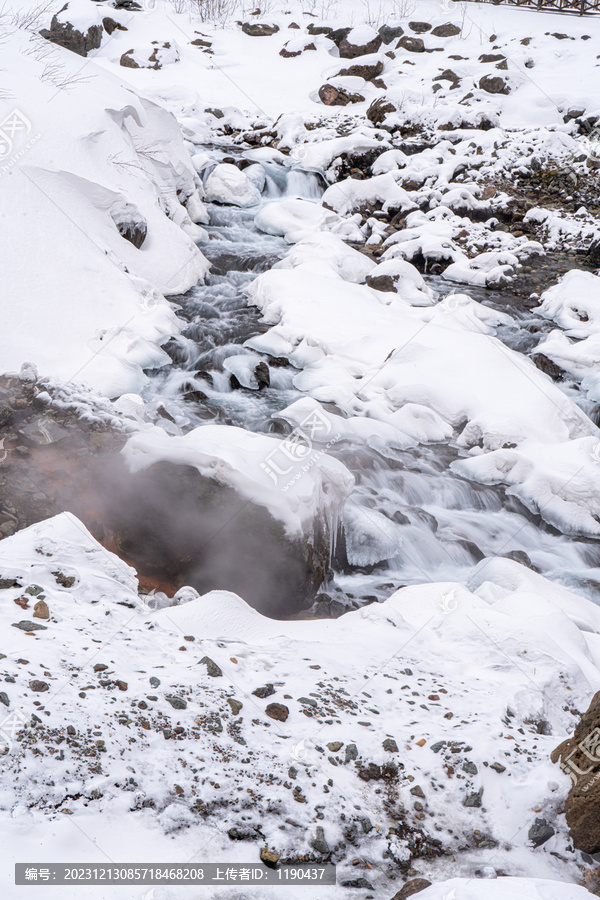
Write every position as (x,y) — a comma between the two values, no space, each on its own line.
(593,253)
(295,48)
(366,70)
(494,84)
(579,757)
(389,33)
(332,96)
(419,27)
(226,184)
(259,29)
(446,30)
(359,42)
(65,35)
(411,44)
(379,109)
(111,25)
(320,29)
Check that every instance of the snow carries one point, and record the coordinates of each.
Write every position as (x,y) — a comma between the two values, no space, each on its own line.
(377,378)
(262,469)
(226,184)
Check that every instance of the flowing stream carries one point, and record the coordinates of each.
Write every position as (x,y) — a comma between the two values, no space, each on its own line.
(445,524)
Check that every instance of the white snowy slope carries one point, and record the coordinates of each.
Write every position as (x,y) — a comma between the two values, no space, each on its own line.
(456,681)
(77,299)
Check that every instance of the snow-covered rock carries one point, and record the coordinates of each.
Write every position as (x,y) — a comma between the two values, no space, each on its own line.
(227,184)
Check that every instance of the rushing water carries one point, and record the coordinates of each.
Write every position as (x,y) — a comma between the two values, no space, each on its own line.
(437,525)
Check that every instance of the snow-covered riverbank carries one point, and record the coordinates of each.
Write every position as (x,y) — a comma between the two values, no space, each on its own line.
(317,192)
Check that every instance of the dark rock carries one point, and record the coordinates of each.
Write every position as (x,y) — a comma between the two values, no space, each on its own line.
(122,685)
(39,686)
(548,367)
(278,711)
(361,883)
(474,799)
(288,54)
(176,702)
(494,84)
(259,29)
(264,692)
(411,44)
(351,752)
(334,746)
(448,75)
(308,701)
(540,832)
(469,767)
(491,57)
(351,51)
(111,25)
(66,581)
(199,42)
(521,557)
(7,583)
(4,698)
(238,834)
(593,254)
(498,767)
(411,888)
(236,705)
(154,681)
(389,33)
(127,61)
(368,71)
(24,625)
(446,30)
(65,35)
(212,668)
(319,843)
(262,375)
(419,27)
(321,29)
(417,791)
(331,96)
(390,745)
(379,109)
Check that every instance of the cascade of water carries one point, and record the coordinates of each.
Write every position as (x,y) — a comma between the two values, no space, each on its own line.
(437,524)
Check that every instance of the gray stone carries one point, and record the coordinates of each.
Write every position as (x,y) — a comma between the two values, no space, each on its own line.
(389,33)
(212,668)
(235,705)
(24,625)
(154,681)
(351,752)
(176,702)
(263,692)
(4,698)
(474,799)
(319,843)
(540,832)
(390,745)
(469,767)
(308,701)
(65,35)
(259,29)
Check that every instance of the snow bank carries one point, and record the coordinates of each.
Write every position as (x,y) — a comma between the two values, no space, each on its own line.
(78,299)
(504,889)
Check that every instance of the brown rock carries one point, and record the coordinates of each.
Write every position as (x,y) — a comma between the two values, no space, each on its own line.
(277,711)
(367,71)
(419,27)
(447,30)
(269,857)
(351,51)
(381,282)
(493,84)
(23,602)
(39,686)
(412,887)
(412,44)
(332,96)
(578,759)
(40,610)
(379,109)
